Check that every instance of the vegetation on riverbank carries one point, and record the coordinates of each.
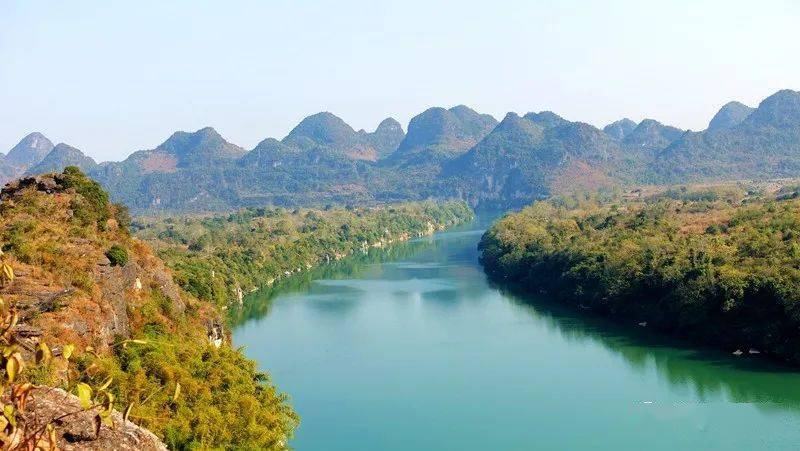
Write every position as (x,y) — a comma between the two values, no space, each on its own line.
(259,304)
(718,265)
(218,258)
(81,279)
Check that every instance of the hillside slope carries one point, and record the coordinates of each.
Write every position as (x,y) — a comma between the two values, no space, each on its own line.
(526,157)
(83,280)
(61,156)
(439,134)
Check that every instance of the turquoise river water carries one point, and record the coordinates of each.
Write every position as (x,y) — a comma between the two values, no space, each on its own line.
(413,348)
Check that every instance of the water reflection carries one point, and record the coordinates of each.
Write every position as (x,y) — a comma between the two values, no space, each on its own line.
(709,374)
(258,304)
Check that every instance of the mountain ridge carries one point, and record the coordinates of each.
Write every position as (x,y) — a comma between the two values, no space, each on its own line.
(324,160)
(61,156)
(765,144)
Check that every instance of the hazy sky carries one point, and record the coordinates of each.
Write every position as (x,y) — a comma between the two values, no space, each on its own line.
(114,77)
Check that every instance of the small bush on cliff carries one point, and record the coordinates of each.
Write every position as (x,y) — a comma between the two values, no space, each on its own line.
(223,401)
(117,255)
(93,205)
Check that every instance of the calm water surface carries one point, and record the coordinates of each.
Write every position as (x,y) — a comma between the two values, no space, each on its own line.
(412,348)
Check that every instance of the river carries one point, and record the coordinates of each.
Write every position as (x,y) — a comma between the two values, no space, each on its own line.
(413,348)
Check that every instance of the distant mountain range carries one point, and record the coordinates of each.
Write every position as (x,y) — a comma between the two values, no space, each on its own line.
(453,152)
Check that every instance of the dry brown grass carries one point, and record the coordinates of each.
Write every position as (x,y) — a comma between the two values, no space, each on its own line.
(66,286)
(698,222)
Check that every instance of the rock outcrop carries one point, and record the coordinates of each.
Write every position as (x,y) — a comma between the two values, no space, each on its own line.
(75,427)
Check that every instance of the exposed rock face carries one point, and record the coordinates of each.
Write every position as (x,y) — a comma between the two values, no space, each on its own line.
(77,430)
(45,183)
(118,286)
(216,333)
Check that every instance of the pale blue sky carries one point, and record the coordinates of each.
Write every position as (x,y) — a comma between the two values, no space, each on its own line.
(114,77)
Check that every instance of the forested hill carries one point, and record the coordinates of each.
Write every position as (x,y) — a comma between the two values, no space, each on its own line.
(446,153)
(717,265)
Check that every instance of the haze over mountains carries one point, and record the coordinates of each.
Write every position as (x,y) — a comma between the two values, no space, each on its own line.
(455,152)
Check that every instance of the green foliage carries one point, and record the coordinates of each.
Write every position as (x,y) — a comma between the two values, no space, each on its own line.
(727,273)
(211,256)
(93,205)
(117,255)
(224,401)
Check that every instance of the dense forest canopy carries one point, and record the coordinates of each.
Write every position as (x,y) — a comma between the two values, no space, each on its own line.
(718,264)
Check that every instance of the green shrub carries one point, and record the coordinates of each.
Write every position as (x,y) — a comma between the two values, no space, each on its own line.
(94,205)
(117,255)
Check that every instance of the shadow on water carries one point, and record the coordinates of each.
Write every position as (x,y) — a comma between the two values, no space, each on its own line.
(708,373)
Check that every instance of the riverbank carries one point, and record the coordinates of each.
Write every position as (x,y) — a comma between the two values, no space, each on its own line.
(221,258)
(718,267)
